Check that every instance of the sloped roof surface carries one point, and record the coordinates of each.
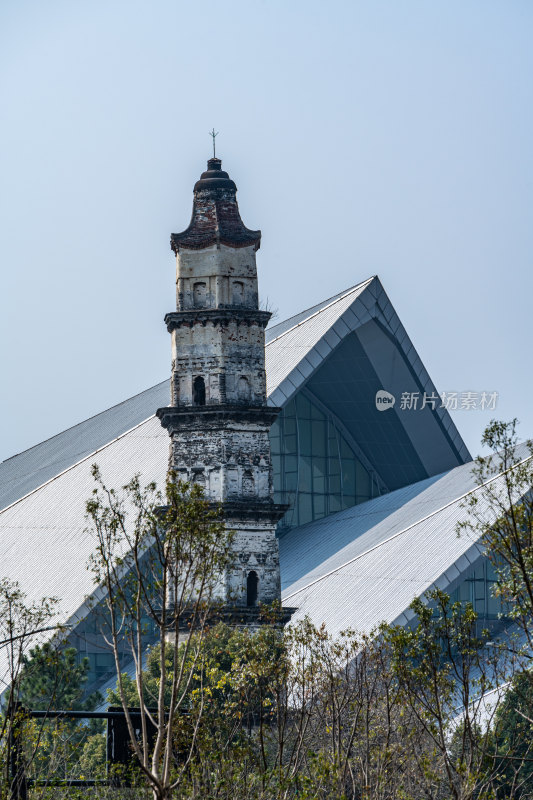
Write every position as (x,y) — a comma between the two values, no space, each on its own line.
(365,565)
(24,472)
(273,331)
(44,544)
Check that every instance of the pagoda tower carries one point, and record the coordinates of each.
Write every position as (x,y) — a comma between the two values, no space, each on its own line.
(218,418)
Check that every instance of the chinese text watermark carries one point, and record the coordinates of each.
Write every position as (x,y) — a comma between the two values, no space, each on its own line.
(451,401)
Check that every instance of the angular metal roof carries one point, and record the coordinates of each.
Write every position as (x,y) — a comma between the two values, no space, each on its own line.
(365,311)
(366,564)
(273,331)
(290,350)
(44,544)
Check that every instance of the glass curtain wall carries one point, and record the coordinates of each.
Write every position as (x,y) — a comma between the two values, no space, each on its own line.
(478,589)
(315,469)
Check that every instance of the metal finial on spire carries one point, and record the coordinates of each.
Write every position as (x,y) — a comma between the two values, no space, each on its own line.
(214,135)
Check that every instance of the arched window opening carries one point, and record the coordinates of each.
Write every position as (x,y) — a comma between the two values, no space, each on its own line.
(198,391)
(199,294)
(252,585)
(248,483)
(198,477)
(243,389)
(237,295)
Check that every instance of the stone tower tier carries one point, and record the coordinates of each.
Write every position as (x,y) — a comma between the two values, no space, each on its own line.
(225,449)
(216,316)
(242,511)
(221,417)
(266,514)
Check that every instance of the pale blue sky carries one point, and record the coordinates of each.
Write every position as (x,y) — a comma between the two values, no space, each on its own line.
(389,137)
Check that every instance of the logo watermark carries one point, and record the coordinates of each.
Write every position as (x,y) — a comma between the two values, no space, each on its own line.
(384,400)
(451,401)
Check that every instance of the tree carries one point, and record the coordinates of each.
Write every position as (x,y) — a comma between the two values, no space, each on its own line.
(298,713)
(513,738)
(53,678)
(20,621)
(444,669)
(500,514)
(158,568)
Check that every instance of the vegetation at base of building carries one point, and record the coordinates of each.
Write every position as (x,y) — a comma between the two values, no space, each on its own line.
(300,714)
(431,711)
(50,679)
(54,678)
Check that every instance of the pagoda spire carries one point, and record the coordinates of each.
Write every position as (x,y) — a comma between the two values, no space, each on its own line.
(215,215)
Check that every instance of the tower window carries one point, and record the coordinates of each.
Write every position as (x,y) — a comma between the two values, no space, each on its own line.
(199,294)
(237,294)
(248,483)
(198,391)
(252,584)
(243,389)
(198,476)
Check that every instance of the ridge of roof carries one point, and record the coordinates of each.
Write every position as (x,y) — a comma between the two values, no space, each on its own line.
(319,309)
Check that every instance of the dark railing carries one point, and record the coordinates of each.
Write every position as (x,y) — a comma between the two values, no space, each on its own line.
(118,747)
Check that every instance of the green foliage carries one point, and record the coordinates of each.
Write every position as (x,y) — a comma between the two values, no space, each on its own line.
(53,678)
(501,514)
(444,668)
(513,737)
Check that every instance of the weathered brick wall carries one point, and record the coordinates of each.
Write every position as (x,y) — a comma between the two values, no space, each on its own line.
(223,352)
(229,464)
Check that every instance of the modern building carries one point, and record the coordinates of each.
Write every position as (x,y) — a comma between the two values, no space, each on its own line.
(370,465)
